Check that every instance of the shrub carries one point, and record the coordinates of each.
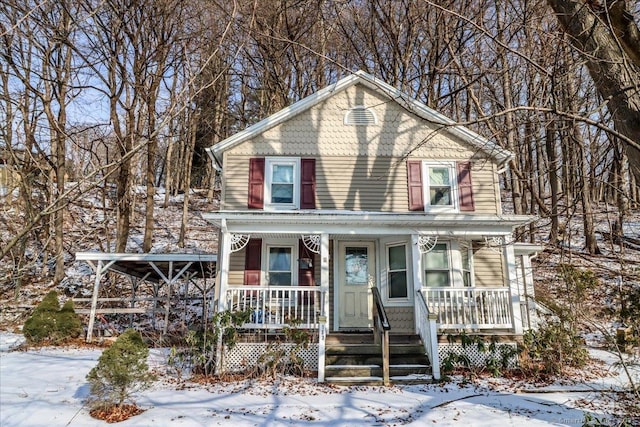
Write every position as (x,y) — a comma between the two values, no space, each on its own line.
(121,371)
(49,322)
(199,352)
(552,347)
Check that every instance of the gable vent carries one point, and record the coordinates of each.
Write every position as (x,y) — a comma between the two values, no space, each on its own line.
(360,116)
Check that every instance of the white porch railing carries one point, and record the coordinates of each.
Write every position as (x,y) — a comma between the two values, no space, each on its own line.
(428,331)
(277,306)
(470,308)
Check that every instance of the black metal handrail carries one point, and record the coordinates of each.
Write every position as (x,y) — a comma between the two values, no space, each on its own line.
(381,313)
(381,332)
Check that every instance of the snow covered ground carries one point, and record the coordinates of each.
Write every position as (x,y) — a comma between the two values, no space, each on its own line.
(47,387)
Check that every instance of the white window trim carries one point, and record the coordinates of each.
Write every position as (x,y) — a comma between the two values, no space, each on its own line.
(384,274)
(279,243)
(468,247)
(268,168)
(451,165)
(452,262)
(454,250)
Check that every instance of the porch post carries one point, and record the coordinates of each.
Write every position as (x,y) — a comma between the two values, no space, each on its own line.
(223,258)
(512,282)
(323,321)
(224,250)
(417,272)
(435,356)
(94,301)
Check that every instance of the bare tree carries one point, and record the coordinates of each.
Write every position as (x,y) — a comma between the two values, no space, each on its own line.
(606,33)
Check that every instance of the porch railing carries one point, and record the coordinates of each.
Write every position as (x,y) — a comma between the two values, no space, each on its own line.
(277,306)
(428,331)
(470,308)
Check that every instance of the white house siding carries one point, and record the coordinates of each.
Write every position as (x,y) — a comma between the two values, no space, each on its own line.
(488,266)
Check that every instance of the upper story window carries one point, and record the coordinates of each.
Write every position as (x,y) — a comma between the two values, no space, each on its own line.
(360,116)
(440,186)
(282,183)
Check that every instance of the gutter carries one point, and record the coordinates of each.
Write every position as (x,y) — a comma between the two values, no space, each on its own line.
(215,163)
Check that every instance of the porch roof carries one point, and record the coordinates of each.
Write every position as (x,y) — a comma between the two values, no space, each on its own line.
(365,223)
(153,267)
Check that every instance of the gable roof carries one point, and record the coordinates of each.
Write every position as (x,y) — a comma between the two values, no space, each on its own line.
(360,77)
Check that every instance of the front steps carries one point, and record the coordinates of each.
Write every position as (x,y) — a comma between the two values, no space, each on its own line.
(354,358)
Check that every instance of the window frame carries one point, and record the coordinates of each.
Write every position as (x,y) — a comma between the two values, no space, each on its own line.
(426,186)
(291,244)
(449,269)
(466,247)
(385,285)
(270,162)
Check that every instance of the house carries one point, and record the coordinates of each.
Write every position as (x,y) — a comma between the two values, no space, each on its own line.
(358,209)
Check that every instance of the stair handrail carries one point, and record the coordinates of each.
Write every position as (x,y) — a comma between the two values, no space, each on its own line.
(428,331)
(381,328)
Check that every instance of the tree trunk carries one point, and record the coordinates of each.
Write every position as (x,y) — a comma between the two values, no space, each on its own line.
(610,41)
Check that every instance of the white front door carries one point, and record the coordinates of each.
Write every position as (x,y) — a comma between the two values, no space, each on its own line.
(356,266)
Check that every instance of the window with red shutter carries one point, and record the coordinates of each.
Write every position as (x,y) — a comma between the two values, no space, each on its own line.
(414,177)
(308,184)
(465,187)
(256,183)
(253,262)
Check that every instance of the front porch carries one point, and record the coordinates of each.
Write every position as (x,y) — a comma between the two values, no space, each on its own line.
(333,273)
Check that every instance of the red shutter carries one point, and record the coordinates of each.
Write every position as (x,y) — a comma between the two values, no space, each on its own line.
(465,187)
(256,183)
(414,177)
(253,262)
(305,275)
(308,184)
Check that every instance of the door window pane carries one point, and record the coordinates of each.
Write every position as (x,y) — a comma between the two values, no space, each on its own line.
(356,266)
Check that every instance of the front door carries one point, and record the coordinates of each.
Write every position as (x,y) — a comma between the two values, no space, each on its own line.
(356,277)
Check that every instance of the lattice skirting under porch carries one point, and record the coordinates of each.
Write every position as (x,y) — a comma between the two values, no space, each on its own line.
(477,357)
(245,355)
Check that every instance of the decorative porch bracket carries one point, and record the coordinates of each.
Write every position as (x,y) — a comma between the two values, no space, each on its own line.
(312,242)
(427,243)
(239,241)
(497,243)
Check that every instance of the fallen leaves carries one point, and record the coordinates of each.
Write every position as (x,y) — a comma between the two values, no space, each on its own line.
(116,413)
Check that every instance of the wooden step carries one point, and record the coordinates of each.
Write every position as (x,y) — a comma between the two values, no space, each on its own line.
(353,358)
